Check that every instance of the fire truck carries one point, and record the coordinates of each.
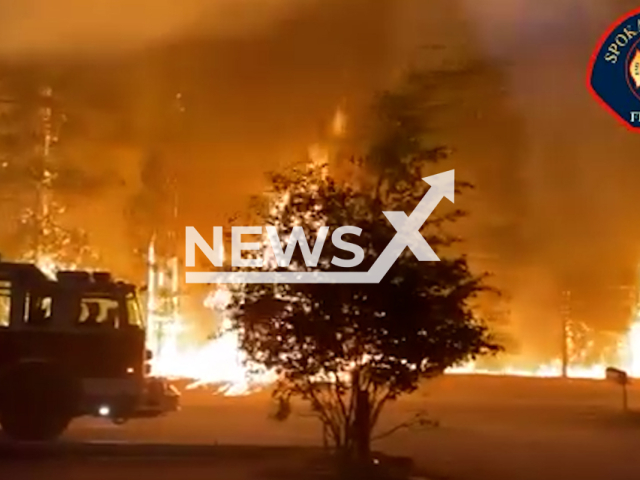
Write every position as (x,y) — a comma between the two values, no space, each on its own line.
(72,346)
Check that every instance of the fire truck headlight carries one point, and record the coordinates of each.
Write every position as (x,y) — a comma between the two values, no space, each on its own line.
(104,411)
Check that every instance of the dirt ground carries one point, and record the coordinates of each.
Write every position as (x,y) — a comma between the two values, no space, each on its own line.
(490,428)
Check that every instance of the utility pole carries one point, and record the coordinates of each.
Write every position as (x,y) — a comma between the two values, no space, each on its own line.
(179,111)
(566,321)
(163,266)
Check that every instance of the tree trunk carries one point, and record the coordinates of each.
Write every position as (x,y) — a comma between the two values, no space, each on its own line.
(362,427)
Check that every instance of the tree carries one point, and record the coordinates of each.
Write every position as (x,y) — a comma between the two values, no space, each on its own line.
(351,349)
(153,205)
(32,178)
(153,210)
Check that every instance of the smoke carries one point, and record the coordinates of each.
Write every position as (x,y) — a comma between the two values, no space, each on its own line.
(578,229)
(42,27)
(259,81)
(555,205)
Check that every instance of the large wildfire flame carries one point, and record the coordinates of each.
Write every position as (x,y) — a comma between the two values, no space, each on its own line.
(221,365)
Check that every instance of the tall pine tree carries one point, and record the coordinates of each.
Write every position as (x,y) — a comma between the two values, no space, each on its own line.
(32,179)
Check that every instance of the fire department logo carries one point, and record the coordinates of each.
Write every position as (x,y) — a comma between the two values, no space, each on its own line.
(614,73)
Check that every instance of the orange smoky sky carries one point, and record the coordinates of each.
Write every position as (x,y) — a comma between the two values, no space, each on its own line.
(36,27)
(258,80)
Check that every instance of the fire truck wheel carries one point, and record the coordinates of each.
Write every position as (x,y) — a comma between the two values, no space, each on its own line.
(37,402)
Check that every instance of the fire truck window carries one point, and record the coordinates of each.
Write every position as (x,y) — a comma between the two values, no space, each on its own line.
(39,309)
(99,312)
(134,312)
(5,303)
(27,306)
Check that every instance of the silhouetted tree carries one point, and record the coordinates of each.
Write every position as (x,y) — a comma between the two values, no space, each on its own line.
(349,349)
(152,213)
(151,209)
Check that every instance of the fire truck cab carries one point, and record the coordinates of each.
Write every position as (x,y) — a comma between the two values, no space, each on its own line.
(69,347)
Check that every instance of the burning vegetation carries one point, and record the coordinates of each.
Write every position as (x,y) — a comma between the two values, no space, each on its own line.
(221,361)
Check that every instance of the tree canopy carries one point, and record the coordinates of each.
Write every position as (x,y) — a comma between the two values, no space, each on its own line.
(351,348)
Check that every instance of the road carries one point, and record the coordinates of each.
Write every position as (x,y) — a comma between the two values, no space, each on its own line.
(123,460)
(490,428)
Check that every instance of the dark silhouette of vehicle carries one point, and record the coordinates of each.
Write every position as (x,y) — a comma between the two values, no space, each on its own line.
(72,346)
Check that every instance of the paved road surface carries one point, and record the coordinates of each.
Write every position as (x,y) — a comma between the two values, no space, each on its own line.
(126,460)
(491,428)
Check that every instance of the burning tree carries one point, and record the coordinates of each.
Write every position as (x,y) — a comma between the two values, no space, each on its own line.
(32,176)
(153,219)
(351,349)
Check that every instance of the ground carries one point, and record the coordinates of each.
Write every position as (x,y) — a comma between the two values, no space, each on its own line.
(490,428)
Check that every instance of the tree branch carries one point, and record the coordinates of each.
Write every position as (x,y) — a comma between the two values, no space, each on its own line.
(419,420)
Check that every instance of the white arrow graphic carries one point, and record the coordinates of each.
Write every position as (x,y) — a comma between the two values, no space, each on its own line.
(408,236)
